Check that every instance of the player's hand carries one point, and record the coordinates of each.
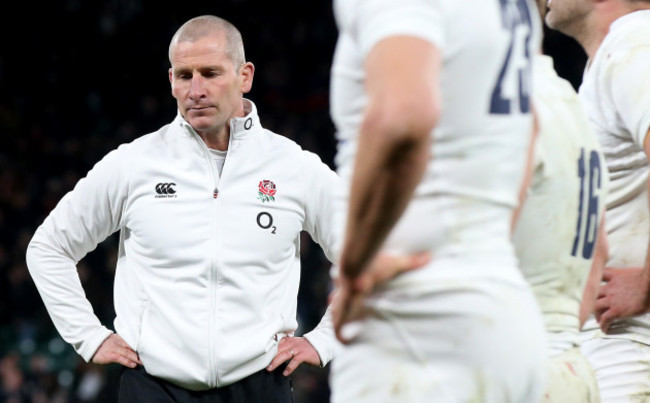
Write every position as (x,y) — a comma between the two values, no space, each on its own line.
(296,350)
(115,350)
(624,295)
(350,293)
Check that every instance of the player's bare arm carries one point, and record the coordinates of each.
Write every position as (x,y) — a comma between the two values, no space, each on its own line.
(528,172)
(403,107)
(590,292)
(627,290)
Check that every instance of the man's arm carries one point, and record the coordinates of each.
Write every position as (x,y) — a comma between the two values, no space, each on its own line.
(528,173)
(402,85)
(83,218)
(627,290)
(394,140)
(590,292)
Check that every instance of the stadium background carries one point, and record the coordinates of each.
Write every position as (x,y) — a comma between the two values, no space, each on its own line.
(79,78)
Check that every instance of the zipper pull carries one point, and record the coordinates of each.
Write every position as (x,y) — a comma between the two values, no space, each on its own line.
(215,193)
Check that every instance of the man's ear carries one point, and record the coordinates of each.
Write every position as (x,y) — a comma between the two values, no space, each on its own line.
(246,72)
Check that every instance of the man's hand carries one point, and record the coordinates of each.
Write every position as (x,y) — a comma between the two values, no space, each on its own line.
(115,350)
(347,301)
(624,295)
(296,350)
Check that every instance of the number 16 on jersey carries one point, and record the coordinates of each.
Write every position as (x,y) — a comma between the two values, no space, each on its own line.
(589,174)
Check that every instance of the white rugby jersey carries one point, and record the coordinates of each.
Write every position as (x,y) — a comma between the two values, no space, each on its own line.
(555,236)
(464,202)
(616,92)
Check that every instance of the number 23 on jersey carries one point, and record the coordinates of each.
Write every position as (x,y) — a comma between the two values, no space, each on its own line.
(511,92)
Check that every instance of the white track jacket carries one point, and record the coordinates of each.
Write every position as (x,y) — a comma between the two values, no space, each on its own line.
(208,269)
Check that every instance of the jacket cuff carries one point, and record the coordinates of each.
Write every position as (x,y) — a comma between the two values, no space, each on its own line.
(87,348)
(325,344)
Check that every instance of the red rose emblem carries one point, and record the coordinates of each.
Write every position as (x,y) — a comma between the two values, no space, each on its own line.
(267,187)
(266,190)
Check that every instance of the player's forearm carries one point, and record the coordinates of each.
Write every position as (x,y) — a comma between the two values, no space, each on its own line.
(595,277)
(646,269)
(402,87)
(528,173)
(645,273)
(388,168)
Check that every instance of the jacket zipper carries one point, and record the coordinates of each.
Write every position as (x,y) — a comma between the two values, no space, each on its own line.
(214,272)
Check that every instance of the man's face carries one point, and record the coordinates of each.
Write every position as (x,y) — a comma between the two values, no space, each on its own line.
(207,86)
(567,16)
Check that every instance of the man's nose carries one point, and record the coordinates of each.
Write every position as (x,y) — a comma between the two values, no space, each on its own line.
(197,87)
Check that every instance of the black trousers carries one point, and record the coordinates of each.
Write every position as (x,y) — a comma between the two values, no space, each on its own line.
(136,386)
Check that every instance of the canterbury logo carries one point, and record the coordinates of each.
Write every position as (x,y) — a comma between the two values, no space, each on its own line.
(165,190)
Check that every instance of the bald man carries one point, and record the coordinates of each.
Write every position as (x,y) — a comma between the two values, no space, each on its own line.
(210,209)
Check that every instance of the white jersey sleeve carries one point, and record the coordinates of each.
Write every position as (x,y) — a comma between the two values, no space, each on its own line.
(629,87)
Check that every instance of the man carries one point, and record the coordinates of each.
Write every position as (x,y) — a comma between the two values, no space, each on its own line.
(555,235)
(616,92)
(210,209)
(433,151)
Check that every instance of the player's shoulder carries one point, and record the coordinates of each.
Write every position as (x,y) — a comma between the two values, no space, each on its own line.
(547,83)
(561,114)
(637,21)
(629,31)
(624,53)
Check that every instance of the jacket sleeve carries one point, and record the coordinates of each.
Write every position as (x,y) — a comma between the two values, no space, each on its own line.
(323,338)
(322,223)
(84,217)
(322,215)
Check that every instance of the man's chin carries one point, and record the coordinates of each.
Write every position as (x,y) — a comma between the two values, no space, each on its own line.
(200,122)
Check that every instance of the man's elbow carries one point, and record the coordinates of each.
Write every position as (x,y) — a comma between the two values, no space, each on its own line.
(37,251)
(32,254)
(401,123)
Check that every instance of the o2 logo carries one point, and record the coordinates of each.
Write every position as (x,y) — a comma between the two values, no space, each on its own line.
(265,221)
(514,81)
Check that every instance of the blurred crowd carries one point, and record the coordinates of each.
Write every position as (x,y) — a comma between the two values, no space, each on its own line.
(79,78)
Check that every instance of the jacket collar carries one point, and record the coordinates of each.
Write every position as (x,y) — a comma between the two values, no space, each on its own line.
(239,126)
(250,123)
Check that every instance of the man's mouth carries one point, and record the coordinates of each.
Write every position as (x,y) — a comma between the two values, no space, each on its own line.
(198,108)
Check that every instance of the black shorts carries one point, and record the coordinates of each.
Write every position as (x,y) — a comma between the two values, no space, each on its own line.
(136,386)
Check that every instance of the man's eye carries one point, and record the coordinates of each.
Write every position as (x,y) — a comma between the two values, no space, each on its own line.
(185,76)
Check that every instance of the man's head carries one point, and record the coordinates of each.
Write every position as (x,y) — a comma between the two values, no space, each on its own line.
(208,73)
